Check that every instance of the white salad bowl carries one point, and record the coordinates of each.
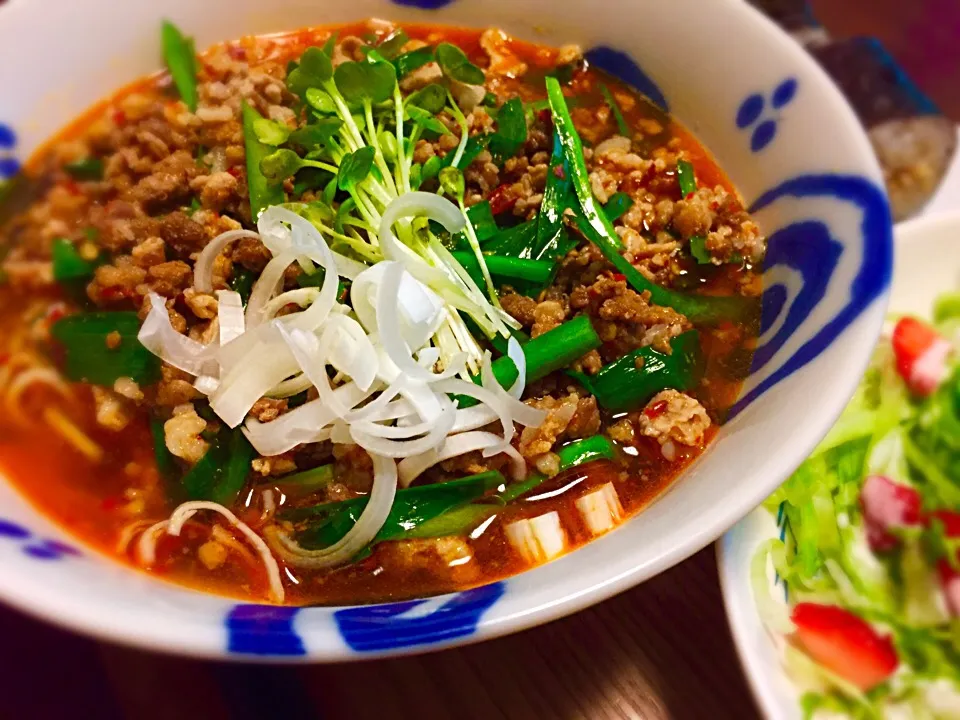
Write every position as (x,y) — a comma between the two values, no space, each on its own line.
(775,123)
(927,265)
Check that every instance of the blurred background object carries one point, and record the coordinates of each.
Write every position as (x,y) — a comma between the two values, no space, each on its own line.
(915,142)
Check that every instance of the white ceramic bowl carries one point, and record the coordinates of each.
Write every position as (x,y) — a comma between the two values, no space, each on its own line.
(776,124)
(927,265)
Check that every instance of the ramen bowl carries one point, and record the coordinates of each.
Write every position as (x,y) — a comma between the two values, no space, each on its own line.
(775,124)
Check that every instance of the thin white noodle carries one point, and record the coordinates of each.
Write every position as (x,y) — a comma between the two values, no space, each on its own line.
(21,383)
(188,509)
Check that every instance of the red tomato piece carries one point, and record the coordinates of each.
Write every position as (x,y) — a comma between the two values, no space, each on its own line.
(845,644)
(887,505)
(921,355)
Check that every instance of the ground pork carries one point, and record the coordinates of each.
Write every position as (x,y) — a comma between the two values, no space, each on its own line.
(114,412)
(182,433)
(673,417)
(625,319)
(535,441)
(266,409)
(175,387)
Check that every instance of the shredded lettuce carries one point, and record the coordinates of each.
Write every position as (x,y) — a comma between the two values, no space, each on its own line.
(824,556)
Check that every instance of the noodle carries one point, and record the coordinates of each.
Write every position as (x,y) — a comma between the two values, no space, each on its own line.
(72,434)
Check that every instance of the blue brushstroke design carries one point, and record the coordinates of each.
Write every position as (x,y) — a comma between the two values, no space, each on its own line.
(785,93)
(763,135)
(624,67)
(383,627)
(9,166)
(750,111)
(424,4)
(263,630)
(8,138)
(816,265)
(12,530)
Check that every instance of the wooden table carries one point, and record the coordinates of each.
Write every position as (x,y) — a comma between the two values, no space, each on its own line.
(661,650)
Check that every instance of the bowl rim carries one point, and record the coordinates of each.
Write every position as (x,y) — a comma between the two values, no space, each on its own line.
(738,602)
(63,612)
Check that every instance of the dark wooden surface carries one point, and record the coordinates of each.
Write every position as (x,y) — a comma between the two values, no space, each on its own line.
(661,650)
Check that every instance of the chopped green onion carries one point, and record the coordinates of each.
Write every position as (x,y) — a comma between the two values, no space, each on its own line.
(507,268)
(242,282)
(686,177)
(461,520)
(632,380)
(698,249)
(617,206)
(305,483)
(622,126)
(88,168)
(554,350)
(180,55)
(89,358)
(411,507)
(67,263)
(166,463)
(220,474)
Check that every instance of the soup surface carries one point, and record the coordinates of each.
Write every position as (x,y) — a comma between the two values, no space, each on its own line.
(366,313)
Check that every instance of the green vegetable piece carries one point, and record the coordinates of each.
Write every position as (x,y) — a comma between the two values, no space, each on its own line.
(320,101)
(242,282)
(270,132)
(310,179)
(507,269)
(461,520)
(279,165)
(632,380)
(166,463)
(597,228)
(516,241)
(698,249)
(455,65)
(622,126)
(316,63)
(330,44)
(89,359)
(355,167)
(432,167)
(181,58)
(617,206)
(410,61)
(558,196)
(426,120)
(330,191)
(452,182)
(391,45)
(686,177)
(88,168)
(432,98)
(411,507)
(481,217)
(67,263)
(946,307)
(359,82)
(317,133)
(416,176)
(221,473)
(511,131)
(262,193)
(554,350)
